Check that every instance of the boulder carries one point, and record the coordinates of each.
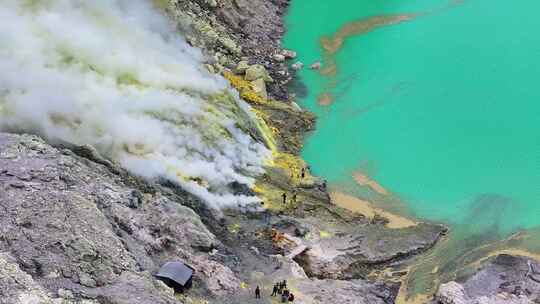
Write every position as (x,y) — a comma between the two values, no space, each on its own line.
(451,293)
(259,87)
(288,54)
(279,57)
(297,66)
(315,65)
(241,67)
(212,3)
(257,71)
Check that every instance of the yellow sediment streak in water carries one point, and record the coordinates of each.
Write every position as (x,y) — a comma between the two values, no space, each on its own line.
(325,99)
(364,180)
(366,208)
(331,46)
(408,282)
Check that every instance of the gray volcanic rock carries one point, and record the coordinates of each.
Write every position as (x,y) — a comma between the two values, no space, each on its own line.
(354,291)
(230,29)
(71,224)
(502,279)
(348,251)
(17,287)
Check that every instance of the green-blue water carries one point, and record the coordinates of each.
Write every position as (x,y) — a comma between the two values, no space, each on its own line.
(442,110)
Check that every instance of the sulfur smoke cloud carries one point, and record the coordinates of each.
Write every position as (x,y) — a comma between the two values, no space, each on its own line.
(115,74)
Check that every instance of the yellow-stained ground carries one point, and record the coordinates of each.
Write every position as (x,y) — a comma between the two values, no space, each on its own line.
(425,298)
(245,88)
(418,299)
(290,167)
(366,208)
(509,251)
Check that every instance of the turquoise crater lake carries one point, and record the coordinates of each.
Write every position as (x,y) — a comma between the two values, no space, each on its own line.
(440,106)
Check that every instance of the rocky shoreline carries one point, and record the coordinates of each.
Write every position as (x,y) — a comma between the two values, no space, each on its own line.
(77,228)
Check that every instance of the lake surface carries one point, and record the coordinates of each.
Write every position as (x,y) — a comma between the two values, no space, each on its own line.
(437,103)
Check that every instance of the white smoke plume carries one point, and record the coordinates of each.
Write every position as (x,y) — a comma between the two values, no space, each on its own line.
(115,74)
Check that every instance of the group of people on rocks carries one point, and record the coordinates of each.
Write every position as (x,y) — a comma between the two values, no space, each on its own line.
(294,195)
(284,195)
(279,289)
(302,175)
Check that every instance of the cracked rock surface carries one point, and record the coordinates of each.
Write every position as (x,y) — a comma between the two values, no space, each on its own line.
(503,279)
(75,228)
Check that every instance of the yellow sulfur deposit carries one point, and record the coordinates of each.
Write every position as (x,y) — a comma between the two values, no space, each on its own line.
(325,234)
(269,133)
(245,88)
(290,167)
(234,228)
(291,164)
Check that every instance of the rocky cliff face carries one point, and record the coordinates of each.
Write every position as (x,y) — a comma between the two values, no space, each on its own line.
(231,30)
(68,223)
(501,279)
(76,228)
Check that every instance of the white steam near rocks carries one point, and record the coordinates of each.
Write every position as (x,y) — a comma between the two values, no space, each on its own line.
(115,74)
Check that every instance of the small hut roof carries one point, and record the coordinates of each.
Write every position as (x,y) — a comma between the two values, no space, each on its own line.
(176,271)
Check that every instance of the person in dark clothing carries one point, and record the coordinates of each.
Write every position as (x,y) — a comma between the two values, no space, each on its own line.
(291,297)
(267,217)
(286,293)
(265,214)
(303,172)
(284,284)
(257,292)
(294,197)
(284,195)
(284,298)
(275,290)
